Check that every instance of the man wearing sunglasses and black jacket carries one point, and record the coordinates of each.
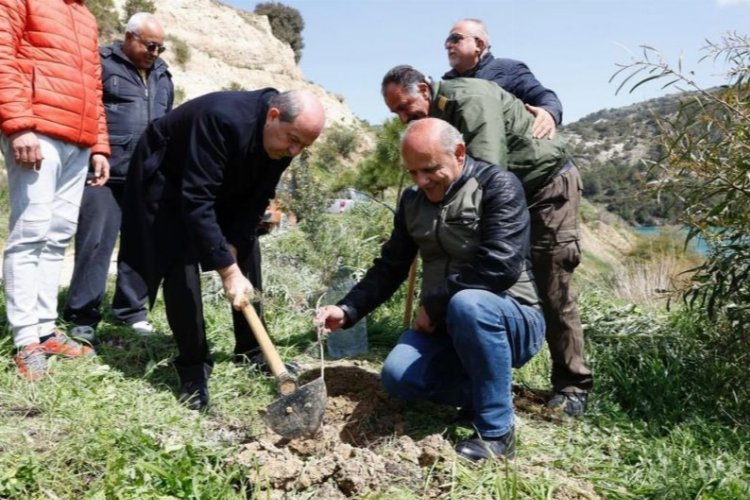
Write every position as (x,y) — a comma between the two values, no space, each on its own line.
(468,47)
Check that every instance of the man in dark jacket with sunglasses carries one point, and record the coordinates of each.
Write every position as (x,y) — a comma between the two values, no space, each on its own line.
(468,47)
(137,89)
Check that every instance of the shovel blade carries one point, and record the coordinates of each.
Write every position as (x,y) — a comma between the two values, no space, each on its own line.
(300,413)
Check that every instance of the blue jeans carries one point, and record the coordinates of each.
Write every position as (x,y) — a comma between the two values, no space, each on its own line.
(488,334)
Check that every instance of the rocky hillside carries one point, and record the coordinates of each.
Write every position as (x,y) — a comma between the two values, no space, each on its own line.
(232,49)
(613,148)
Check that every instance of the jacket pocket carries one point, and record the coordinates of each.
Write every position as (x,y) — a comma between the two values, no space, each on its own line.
(122,148)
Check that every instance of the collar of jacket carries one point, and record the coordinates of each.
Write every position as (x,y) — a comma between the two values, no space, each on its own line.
(268,94)
(483,61)
(115,49)
(468,171)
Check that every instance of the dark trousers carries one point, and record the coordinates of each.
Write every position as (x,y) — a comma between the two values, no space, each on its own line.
(98,226)
(555,253)
(250,265)
(184,305)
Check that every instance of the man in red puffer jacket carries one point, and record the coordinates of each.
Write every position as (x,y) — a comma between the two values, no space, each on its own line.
(52,125)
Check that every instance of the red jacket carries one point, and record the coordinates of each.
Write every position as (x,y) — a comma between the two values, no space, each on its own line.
(50,76)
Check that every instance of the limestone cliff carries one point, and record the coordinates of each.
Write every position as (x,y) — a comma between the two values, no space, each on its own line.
(233,47)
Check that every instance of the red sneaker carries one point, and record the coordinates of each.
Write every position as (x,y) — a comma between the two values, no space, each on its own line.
(61,345)
(31,361)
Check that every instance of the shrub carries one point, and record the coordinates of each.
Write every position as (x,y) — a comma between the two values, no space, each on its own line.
(106,19)
(706,164)
(179,96)
(134,6)
(180,49)
(286,24)
(233,86)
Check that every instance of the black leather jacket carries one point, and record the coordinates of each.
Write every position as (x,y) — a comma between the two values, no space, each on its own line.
(476,238)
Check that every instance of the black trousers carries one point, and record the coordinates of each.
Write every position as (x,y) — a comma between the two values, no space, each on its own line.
(98,225)
(184,306)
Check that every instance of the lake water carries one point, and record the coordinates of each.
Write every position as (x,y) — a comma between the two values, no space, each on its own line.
(698,244)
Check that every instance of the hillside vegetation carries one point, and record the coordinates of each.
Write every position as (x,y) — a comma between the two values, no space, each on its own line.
(667,418)
(613,148)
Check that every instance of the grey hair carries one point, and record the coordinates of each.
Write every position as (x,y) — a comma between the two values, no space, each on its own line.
(288,103)
(405,77)
(137,20)
(448,135)
(480,30)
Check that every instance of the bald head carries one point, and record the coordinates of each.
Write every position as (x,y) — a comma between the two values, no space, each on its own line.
(294,121)
(433,152)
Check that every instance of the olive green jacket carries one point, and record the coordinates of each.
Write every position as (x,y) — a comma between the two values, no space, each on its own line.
(497,129)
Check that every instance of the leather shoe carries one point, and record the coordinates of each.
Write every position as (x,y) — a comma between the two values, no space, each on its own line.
(476,448)
(571,403)
(194,394)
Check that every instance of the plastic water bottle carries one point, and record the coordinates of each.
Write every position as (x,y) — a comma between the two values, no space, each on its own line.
(345,343)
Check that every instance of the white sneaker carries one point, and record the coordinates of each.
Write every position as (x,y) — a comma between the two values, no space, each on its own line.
(143,328)
(83,332)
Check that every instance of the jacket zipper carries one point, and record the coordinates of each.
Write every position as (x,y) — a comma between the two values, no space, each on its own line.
(440,243)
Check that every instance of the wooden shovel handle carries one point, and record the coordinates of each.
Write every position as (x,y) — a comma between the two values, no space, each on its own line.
(286,383)
(410,294)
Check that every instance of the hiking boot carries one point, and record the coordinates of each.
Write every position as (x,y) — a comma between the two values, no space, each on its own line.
(571,403)
(256,359)
(143,328)
(31,362)
(476,448)
(57,344)
(194,394)
(84,332)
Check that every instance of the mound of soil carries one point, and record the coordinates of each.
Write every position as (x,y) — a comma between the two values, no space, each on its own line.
(360,448)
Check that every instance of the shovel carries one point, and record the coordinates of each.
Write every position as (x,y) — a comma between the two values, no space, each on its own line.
(299,410)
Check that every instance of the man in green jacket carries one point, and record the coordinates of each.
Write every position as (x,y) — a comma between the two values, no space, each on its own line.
(498,129)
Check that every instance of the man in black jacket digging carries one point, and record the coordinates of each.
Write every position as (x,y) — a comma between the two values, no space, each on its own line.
(199,182)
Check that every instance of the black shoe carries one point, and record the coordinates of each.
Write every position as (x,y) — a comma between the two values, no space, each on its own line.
(255,359)
(476,448)
(194,394)
(571,403)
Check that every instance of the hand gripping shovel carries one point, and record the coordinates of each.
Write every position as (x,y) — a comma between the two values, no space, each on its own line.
(299,410)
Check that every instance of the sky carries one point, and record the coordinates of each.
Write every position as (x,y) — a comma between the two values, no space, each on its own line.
(572,46)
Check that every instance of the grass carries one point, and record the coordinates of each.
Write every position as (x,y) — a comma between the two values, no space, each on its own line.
(665,420)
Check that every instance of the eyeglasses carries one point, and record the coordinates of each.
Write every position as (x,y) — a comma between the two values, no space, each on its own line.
(457,37)
(151,46)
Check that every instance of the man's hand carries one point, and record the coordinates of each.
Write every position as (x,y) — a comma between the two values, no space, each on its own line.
(544,125)
(100,164)
(27,151)
(330,318)
(237,289)
(423,323)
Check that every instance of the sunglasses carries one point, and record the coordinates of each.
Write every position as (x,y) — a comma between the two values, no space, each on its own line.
(457,37)
(151,46)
